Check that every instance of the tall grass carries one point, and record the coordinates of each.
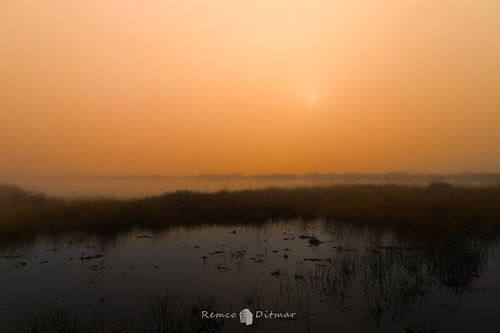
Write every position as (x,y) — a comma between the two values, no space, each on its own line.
(438,207)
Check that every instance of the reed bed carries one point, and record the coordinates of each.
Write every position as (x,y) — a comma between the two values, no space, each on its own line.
(438,207)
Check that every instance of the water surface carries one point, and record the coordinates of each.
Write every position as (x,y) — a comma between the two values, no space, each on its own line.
(334,277)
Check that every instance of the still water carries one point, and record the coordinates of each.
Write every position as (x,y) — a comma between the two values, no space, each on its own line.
(334,277)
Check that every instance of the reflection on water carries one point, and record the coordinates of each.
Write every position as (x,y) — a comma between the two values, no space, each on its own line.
(335,277)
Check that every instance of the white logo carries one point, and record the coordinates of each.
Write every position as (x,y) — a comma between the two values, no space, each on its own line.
(246,317)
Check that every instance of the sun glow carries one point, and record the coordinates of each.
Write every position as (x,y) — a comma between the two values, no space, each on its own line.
(184,87)
(312,98)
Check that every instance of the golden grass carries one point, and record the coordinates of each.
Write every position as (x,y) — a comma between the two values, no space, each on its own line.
(438,207)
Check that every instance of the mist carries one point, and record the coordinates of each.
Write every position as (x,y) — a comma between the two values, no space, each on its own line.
(252,87)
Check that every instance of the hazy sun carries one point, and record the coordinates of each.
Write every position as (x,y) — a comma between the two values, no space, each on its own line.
(312,98)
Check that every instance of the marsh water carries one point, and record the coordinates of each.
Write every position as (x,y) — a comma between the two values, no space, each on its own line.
(335,277)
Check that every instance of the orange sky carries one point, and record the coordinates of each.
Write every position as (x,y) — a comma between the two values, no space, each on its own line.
(250,86)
